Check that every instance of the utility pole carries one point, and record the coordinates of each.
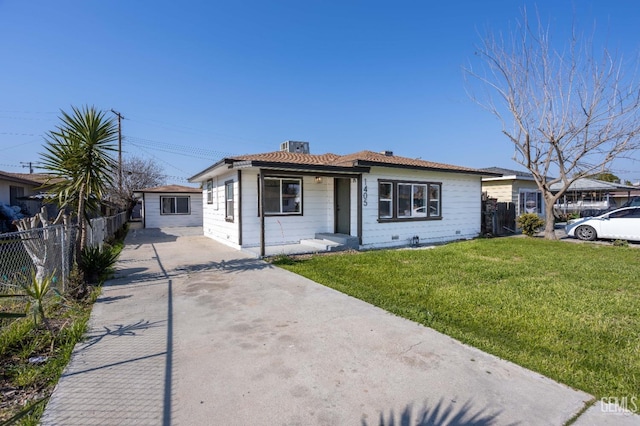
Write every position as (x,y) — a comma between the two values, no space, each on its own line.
(28,164)
(120,117)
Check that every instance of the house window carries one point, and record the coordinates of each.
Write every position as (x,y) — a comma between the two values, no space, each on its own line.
(14,193)
(409,200)
(228,205)
(210,191)
(385,200)
(530,202)
(175,205)
(282,196)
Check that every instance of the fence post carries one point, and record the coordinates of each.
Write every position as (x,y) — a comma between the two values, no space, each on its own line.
(64,267)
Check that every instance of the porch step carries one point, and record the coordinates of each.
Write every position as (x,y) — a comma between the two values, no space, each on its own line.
(322,244)
(347,241)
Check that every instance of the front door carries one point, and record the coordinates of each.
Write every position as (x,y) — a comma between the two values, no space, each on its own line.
(343,206)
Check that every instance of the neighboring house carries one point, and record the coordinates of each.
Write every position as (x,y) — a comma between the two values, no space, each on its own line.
(513,186)
(171,206)
(588,196)
(364,200)
(15,186)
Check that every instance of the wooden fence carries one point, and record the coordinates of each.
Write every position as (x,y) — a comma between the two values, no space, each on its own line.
(498,218)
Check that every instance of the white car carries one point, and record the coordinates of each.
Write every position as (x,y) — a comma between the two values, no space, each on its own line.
(620,224)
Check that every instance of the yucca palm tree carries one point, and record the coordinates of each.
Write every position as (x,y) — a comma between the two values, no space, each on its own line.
(78,156)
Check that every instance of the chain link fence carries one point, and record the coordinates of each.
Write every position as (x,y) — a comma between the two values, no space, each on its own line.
(101,229)
(45,251)
(49,250)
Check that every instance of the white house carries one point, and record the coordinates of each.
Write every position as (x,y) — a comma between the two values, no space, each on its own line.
(171,206)
(15,186)
(363,200)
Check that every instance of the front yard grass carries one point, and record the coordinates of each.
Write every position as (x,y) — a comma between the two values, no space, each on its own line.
(568,311)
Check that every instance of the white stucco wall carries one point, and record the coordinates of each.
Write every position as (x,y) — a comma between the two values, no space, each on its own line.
(461,205)
(317,209)
(5,192)
(153,218)
(215,224)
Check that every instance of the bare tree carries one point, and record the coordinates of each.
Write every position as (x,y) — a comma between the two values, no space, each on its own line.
(568,111)
(137,173)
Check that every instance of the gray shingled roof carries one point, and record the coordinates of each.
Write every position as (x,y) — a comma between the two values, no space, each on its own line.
(508,172)
(587,184)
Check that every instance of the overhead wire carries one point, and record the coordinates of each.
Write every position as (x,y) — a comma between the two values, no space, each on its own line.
(163,161)
(177,148)
(191,130)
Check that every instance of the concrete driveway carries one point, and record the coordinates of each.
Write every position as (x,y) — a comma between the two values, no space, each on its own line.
(194,333)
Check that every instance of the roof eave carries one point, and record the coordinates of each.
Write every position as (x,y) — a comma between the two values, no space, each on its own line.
(20,180)
(370,163)
(303,167)
(494,177)
(196,178)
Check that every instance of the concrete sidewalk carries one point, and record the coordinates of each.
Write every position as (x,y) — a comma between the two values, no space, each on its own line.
(194,333)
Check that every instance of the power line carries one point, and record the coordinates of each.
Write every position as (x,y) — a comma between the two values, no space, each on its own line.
(21,144)
(17,134)
(28,112)
(175,152)
(178,149)
(161,160)
(191,130)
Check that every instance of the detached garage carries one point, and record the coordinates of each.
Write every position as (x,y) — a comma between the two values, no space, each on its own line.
(171,206)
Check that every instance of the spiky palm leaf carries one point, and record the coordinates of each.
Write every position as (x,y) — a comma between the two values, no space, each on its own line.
(78,156)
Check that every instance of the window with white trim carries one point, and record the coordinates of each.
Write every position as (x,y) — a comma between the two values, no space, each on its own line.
(228,205)
(399,200)
(282,196)
(175,205)
(530,201)
(385,200)
(210,191)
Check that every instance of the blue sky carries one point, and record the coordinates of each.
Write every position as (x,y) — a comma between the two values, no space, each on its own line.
(197,80)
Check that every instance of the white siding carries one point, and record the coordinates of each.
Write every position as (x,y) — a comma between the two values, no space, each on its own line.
(317,209)
(461,204)
(153,218)
(215,224)
(461,194)
(5,192)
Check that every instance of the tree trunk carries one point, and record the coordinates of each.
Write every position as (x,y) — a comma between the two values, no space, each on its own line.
(82,226)
(550,221)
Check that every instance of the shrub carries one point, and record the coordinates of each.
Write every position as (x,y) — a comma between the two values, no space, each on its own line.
(621,243)
(36,291)
(530,223)
(97,264)
(76,287)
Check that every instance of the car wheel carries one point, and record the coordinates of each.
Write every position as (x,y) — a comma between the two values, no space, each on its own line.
(586,233)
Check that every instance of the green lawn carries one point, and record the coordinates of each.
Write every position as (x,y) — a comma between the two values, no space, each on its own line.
(568,311)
